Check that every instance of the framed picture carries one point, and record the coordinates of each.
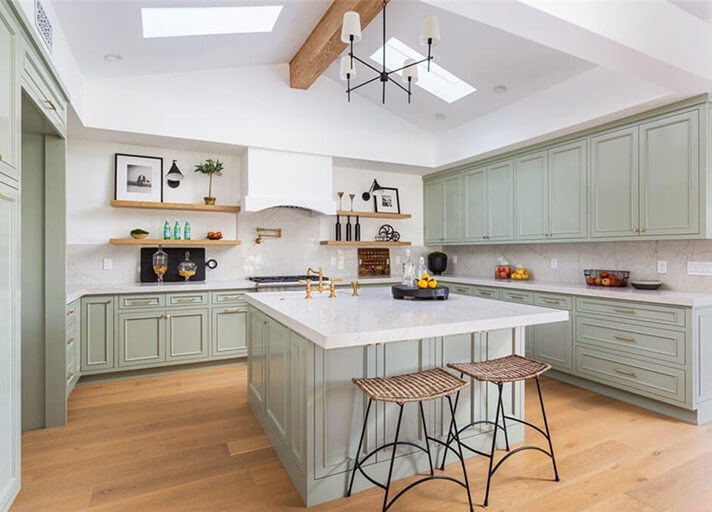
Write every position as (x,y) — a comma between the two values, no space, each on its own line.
(138,178)
(387,200)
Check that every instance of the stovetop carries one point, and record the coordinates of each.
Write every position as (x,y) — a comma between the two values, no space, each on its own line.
(284,279)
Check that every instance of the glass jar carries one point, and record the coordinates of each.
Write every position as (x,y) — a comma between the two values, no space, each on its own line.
(160,264)
(187,268)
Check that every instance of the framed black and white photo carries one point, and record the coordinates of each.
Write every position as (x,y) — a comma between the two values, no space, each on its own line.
(386,200)
(138,178)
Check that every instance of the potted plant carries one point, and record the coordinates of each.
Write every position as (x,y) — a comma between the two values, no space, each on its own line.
(211,168)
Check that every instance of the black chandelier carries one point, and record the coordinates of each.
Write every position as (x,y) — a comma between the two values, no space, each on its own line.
(351,33)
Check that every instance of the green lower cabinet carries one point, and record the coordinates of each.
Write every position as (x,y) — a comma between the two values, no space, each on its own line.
(553,344)
(187,334)
(277,403)
(229,332)
(142,338)
(256,368)
(97,333)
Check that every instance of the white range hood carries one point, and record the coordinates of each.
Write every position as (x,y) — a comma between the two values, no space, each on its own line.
(282,179)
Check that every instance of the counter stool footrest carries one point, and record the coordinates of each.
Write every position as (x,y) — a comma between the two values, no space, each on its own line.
(517,450)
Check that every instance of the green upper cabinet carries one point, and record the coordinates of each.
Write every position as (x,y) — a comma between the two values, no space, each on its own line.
(451,205)
(670,176)
(567,191)
(474,184)
(533,196)
(614,184)
(500,201)
(434,211)
(9,96)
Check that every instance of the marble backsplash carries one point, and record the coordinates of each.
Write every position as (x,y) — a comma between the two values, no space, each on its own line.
(297,249)
(639,257)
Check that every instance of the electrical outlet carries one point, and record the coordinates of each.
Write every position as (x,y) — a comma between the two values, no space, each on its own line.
(454,259)
(699,268)
(108,264)
(554,263)
(662,267)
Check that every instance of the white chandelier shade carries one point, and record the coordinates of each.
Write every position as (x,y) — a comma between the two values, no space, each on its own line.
(410,71)
(351,27)
(431,31)
(347,71)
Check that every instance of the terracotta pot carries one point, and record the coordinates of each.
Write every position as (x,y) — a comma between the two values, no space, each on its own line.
(209,200)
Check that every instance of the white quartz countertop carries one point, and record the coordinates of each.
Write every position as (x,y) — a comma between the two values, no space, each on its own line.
(671,297)
(375,317)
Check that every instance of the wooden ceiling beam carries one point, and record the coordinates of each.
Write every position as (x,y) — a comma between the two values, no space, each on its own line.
(324,44)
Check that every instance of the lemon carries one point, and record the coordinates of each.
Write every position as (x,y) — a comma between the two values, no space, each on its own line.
(432,283)
(422,283)
(425,277)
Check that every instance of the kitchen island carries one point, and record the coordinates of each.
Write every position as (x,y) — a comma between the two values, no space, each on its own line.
(302,355)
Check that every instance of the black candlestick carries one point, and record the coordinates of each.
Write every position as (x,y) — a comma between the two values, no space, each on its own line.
(357,231)
(338,229)
(348,228)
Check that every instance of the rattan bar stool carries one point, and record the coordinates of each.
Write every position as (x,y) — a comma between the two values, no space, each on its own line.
(512,368)
(401,389)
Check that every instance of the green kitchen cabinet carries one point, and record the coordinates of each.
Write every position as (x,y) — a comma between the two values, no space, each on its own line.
(97,336)
(229,332)
(451,209)
(567,186)
(187,334)
(434,211)
(553,343)
(277,337)
(142,338)
(257,367)
(474,184)
(670,175)
(532,177)
(500,201)
(613,192)
(9,96)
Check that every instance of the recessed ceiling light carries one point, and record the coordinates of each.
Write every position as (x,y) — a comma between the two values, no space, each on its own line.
(112,57)
(500,89)
(438,81)
(440,116)
(201,21)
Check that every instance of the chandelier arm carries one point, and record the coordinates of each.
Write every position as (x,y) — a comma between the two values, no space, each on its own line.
(366,64)
(399,85)
(409,65)
(364,83)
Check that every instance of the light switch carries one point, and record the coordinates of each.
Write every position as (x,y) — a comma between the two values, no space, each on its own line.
(108,264)
(662,267)
(454,258)
(699,268)
(554,263)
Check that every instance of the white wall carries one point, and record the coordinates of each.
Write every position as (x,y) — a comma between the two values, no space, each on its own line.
(91,221)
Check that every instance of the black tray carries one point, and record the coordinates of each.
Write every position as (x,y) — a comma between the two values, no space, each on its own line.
(412,293)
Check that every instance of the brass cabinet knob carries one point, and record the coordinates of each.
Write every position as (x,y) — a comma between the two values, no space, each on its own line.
(70,341)
(0,157)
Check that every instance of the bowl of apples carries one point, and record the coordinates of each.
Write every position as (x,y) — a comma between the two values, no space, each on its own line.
(607,278)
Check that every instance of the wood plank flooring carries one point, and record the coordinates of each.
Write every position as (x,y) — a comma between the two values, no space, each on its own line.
(188,442)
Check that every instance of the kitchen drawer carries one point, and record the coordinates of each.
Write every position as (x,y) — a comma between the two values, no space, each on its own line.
(643,341)
(141,301)
(554,300)
(187,299)
(462,289)
(41,88)
(487,292)
(669,315)
(643,378)
(517,296)
(228,297)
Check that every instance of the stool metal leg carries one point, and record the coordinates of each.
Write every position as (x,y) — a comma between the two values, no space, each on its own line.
(358,451)
(546,426)
(504,421)
(449,432)
(393,458)
(494,443)
(459,451)
(427,440)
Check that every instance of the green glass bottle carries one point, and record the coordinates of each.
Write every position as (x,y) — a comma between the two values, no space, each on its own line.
(167,230)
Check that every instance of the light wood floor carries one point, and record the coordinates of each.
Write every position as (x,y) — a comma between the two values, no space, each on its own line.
(188,442)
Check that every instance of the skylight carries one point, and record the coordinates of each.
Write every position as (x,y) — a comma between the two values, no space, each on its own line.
(438,81)
(201,21)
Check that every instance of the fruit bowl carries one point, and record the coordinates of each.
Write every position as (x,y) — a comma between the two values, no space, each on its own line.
(139,234)
(214,235)
(607,278)
(503,271)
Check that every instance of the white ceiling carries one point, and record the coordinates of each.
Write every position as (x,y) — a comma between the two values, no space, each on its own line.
(699,8)
(95,28)
(480,55)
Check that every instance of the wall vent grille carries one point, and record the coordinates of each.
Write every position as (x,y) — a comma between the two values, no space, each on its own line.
(44,26)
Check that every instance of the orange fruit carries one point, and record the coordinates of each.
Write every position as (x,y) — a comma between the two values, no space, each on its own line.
(432,283)
(422,283)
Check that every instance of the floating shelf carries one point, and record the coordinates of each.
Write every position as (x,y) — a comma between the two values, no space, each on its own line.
(374,215)
(180,243)
(175,206)
(364,243)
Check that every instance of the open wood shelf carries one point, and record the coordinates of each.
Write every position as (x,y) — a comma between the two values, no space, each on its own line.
(364,243)
(374,215)
(146,205)
(180,243)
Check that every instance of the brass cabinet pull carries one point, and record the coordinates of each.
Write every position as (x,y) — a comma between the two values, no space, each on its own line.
(625,372)
(642,230)
(70,341)
(265,322)
(624,310)
(0,157)
(483,292)
(51,105)
(187,299)
(232,311)
(140,301)
(70,312)
(551,301)
(636,229)
(70,376)
(624,338)
(228,297)
(107,302)
(521,297)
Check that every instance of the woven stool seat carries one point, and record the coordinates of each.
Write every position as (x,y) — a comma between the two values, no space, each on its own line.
(504,369)
(411,387)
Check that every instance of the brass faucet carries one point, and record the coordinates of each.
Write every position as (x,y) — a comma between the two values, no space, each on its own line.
(332,287)
(308,288)
(320,273)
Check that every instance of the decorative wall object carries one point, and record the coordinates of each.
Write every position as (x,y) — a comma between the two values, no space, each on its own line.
(374,262)
(210,168)
(138,178)
(386,233)
(174,176)
(387,200)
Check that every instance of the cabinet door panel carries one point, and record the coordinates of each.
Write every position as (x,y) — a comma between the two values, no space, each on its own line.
(567,191)
(532,196)
(451,198)
(670,176)
(229,332)
(97,336)
(187,335)
(500,201)
(433,209)
(256,351)
(141,339)
(9,97)
(277,403)
(614,184)
(475,204)
(553,344)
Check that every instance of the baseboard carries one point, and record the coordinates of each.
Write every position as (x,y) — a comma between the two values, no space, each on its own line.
(8,494)
(153,372)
